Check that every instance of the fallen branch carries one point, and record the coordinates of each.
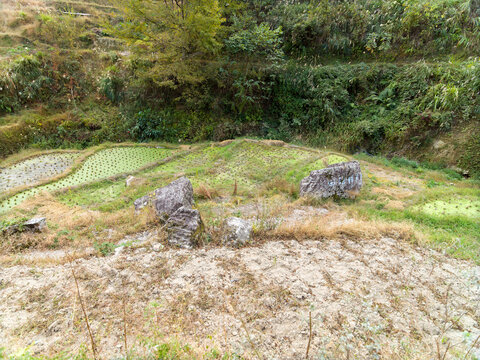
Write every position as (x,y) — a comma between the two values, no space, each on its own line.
(74,13)
(94,349)
(309,333)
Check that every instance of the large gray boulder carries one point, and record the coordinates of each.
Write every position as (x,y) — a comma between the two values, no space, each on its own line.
(237,232)
(184,228)
(172,197)
(343,180)
(173,205)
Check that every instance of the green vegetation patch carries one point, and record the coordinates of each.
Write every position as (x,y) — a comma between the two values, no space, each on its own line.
(99,195)
(297,174)
(448,216)
(456,207)
(248,164)
(101,165)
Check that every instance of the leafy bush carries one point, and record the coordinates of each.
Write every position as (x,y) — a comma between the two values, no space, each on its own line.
(260,41)
(402,162)
(150,125)
(172,126)
(105,248)
(23,82)
(353,28)
(111,85)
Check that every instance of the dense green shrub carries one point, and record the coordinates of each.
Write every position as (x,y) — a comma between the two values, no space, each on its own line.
(54,80)
(377,27)
(111,85)
(374,106)
(173,126)
(23,82)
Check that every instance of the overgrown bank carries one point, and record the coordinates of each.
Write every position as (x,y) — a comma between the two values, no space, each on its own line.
(303,71)
(373,107)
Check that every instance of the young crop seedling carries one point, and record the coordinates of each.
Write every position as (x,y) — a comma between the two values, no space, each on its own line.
(34,170)
(101,165)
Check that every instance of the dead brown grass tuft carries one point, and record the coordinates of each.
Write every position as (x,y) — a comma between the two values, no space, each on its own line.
(393,192)
(395,205)
(206,192)
(274,142)
(334,225)
(225,143)
(279,185)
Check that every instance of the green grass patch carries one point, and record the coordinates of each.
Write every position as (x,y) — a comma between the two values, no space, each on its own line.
(419,169)
(453,208)
(451,225)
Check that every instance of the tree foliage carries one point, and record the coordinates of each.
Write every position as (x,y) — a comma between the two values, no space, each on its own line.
(171,40)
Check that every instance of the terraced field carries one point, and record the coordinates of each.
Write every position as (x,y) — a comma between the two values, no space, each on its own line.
(31,171)
(454,207)
(248,172)
(246,163)
(249,164)
(101,165)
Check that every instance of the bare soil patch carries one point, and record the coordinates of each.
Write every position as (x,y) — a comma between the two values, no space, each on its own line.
(368,298)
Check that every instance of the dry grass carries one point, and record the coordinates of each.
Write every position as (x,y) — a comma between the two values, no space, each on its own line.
(279,185)
(206,192)
(393,192)
(75,227)
(44,261)
(225,143)
(274,142)
(395,205)
(334,225)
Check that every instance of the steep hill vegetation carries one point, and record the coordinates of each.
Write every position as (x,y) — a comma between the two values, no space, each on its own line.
(397,77)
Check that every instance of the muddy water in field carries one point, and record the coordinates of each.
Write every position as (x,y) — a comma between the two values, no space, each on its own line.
(101,165)
(34,170)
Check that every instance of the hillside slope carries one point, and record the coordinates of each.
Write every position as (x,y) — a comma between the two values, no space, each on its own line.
(364,268)
(71,77)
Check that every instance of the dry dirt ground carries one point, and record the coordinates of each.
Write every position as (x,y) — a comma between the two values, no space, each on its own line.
(369,299)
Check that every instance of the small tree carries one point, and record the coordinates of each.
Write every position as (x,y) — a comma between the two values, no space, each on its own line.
(172,39)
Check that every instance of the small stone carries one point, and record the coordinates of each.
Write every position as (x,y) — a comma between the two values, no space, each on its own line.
(157,247)
(118,250)
(54,327)
(36,224)
(439,144)
(140,203)
(237,232)
(130,180)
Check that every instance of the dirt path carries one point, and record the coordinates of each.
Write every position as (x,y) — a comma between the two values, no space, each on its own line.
(370,298)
